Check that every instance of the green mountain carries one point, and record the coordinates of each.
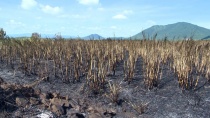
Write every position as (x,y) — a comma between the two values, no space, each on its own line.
(180,30)
(93,37)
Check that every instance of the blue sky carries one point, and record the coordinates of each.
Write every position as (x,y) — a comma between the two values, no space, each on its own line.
(105,17)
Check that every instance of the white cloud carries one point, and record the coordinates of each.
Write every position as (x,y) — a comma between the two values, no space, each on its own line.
(127,12)
(50,10)
(76,16)
(64,16)
(15,24)
(94,28)
(123,15)
(28,4)
(119,16)
(113,27)
(88,2)
(101,9)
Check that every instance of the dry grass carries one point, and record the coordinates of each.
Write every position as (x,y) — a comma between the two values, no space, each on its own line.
(140,108)
(114,92)
(70,60)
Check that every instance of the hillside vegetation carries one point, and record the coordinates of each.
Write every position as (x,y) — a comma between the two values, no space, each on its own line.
(180,30)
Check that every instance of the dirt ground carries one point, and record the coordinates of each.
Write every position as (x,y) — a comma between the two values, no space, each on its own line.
(54,98)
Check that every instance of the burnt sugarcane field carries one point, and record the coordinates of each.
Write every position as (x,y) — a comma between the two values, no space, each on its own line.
(104,78)
(104,59)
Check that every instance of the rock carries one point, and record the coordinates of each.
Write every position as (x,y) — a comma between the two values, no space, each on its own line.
(110,112)
(95,110)
(37,91)
(45,102)
(55,101)
(90,110)
(4,86)
(66,104)
(21,102)
(33,101)
(72,113)
(43,96)
(18,114)
(95,115)
(61,102)
(67,97)
(55,95)
(57,109)
(100,109)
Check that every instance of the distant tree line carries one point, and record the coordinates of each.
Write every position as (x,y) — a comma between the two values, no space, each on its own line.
(2,34)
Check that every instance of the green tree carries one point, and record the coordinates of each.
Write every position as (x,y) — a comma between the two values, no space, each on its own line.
(2,34)
(35,36)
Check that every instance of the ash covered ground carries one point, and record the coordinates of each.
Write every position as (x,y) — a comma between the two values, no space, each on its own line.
(54,98)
